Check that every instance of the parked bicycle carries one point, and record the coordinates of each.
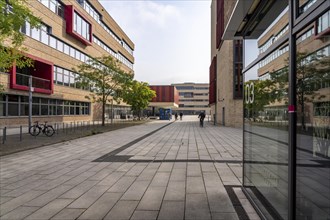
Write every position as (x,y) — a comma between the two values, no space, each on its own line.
(35,130)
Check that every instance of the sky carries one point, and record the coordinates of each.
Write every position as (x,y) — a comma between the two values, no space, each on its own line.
(172,38)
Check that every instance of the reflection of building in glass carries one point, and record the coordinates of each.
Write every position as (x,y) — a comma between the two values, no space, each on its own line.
(226,81)
(71,33)
(193,98)
(286,144)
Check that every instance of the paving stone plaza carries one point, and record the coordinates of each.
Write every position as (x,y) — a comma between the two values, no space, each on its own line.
(158,170)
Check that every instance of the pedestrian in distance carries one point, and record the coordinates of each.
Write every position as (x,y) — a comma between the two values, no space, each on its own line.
(176,116)
(181,114)
(201,117)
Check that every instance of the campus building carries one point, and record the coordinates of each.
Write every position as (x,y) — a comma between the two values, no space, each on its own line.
(226,81)
(286,146)
(72,32)
(167,99)
(193,98)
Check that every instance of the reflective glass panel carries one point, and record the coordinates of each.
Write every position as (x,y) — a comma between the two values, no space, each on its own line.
(313,129)
(266,133)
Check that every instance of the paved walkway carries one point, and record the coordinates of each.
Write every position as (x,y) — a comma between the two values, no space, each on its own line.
(158,170)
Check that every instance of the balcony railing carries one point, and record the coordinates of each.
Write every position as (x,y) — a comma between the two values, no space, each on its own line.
(23,80)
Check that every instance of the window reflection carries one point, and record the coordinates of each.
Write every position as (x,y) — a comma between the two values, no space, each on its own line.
(82,27)
(313,127)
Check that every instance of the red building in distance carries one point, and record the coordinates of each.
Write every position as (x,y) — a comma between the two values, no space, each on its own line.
(166,96)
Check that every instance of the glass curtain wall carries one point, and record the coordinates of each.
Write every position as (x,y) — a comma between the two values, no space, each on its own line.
(266,168)
(266,137)
(313,119)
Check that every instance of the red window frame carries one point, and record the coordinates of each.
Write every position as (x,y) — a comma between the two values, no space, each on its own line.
(48,74)
(69,17)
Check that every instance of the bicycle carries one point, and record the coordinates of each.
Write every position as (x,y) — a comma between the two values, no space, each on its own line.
(35,130)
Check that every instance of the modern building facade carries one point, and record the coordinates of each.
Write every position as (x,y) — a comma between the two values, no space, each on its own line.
(167,97)
(226,81)
(193,98)
(72,32)
(286,146)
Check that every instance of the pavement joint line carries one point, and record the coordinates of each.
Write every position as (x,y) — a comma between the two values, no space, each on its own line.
(240,211)
(184,161)
(113,153)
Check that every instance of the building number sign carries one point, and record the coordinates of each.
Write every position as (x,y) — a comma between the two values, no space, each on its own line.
(249,93)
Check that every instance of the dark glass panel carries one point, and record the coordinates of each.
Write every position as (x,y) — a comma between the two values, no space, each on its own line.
(24,110)
(313,129)
(12,109)
(35,110)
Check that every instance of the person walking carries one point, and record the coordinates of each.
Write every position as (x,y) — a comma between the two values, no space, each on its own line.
(181,114)
(176,116)
(201,117)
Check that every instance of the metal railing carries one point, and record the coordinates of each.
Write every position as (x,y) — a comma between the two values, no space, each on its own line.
(23,80)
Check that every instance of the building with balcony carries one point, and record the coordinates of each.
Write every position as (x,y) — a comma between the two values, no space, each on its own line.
(226,81)
(72,32)
(193,98)
(286,146)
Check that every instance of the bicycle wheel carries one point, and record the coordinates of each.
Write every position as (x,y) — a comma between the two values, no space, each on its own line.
(34,130)
(49,131)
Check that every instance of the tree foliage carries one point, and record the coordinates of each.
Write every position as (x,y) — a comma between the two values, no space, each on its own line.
(105,79)
(14,14)
(138,95)
(312,69)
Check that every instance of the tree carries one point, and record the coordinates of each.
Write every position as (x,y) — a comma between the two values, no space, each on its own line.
(311,70)
(14,14)
(105,79)
(138,95)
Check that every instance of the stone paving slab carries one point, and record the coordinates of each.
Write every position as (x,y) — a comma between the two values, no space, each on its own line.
(179,172)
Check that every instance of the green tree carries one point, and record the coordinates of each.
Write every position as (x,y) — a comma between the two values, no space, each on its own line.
(138,95)
(105,79)
(312,69)
(14,14)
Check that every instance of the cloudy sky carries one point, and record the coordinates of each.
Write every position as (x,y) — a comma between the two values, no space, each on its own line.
(172,38)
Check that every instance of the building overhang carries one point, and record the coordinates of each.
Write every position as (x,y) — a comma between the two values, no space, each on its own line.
(250,18)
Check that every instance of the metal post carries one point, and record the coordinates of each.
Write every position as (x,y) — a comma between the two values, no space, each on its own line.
(292,115)
(30,100)
(20,133)
(4,138)
(111,111)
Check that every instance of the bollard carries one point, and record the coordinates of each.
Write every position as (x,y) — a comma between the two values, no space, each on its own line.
(4,135)
(66,128)
(56,128)
(20,133)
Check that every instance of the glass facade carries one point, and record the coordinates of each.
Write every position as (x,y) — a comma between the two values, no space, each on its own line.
(266,139)
(287,110)
(313,129)
(16,105)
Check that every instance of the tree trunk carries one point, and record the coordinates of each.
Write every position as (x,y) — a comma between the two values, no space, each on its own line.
(103,111)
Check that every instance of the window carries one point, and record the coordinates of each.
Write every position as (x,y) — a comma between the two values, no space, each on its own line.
(55,6)
(323,22)
(82,27)
(238,66)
